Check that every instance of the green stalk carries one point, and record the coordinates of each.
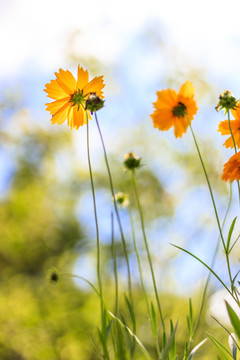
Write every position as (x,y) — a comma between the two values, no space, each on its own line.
(106,356)
(213,201)
(139,261)
(118,217)
(235,147)
(209,275)
(141,274)
(147,249)
(115,268)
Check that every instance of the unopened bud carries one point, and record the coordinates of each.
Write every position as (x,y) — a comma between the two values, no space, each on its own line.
(131,161)
(94,103)
(226,101)
(122,199)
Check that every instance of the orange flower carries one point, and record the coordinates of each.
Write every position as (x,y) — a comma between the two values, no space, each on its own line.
(223,127)
(172,109)
(70,96)
(231,170)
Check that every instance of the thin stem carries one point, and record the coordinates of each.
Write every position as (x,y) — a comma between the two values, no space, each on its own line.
(115,267)
(147,249)
(117,213)
(140,273)
(103,323)
(213,201)
(235,147)
(139,261)
(212,264)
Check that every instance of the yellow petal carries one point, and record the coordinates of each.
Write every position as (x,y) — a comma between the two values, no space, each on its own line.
(162,119)
(66,80)
(60,116)
(78,117)
(82,78)
(56,105)
(95,85)
(166,99)
(54,90)
(187,89)
(180,126)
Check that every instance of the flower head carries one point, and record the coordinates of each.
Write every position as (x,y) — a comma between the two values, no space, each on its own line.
(71,95)
(122,199)
(226,101)
(223,128)
(231,170)
(175,109)
(131,161)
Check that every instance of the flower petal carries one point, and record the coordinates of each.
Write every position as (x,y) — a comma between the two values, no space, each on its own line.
(61,115)
(78,117)
(54,90)
(166,99)
(162,119)
(82,78)
(95,85)
(56,105)
(187,89)
(66,80)
(180,126)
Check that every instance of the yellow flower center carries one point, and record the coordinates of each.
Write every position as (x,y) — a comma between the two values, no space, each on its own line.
(78,98)
(179,110)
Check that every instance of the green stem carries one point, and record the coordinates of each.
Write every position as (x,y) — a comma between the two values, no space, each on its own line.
(212,264)
(106,356)
(141,274)
(147,249)
(213,201)
(115,267)
(117,214)
(235,147)
(139,261)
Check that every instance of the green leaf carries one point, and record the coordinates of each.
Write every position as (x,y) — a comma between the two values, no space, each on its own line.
(230,234)
(234,319)
(168,345)
(153,321)
(219,346)
(173,346)
(190,319)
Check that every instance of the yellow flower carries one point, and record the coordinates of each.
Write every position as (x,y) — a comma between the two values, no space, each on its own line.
(231,170)
(223,127)
(174,109)
(70,96)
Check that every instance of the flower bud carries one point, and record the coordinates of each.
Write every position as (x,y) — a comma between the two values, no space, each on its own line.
(226,101)
(131,161)
(122,199)
(94,103)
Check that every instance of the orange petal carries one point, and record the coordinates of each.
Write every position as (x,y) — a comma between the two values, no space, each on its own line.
(95,85)
(60,116)
(187,89)
(166,99)
(78,117)
(82,78)
(54,90)
(180,126)
(66,80)
(56,105)
(162,119)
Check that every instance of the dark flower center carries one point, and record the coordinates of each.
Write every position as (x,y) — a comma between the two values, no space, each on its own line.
(179,110)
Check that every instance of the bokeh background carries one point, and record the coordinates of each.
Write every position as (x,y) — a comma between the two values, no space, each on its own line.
(46,212)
